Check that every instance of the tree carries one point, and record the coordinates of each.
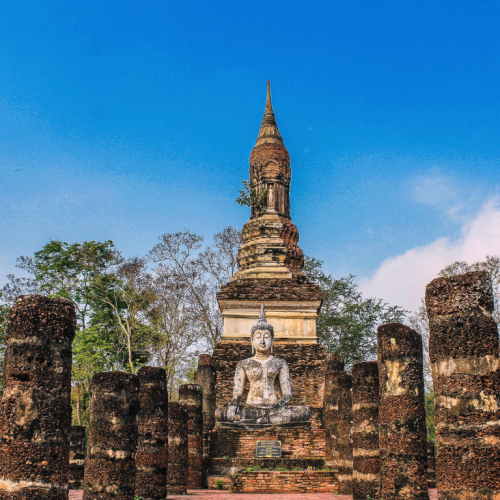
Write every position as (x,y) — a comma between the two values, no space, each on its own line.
(347,322)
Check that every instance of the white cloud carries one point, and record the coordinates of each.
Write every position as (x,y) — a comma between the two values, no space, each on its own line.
(402,279)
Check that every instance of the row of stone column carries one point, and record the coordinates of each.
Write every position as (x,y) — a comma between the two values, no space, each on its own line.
(131,428)
(387,448)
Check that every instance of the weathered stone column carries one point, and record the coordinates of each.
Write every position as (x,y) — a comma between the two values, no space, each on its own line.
(334,363)
(112,442)
(466,375)
(76,456)
(35,412)
(178,461)
(191,397)
(431,465)
(402,429)
(366,455)
(206,377)
(152,452)
(338,425)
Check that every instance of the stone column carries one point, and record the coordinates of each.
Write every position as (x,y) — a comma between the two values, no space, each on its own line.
(191,397)
(465,367)
(112,442)
(365,405)
(338,425)
(35,411)
(206,377)
(152,452)
(334,363)
(431,465)
(76,456)
(178,461)
(402,428)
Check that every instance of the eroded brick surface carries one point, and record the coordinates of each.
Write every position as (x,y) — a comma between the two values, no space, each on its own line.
(178,458)
(365,430)
(464,352)
(402,427)
(152,448)
(112,443)
(35,411)
(191,397)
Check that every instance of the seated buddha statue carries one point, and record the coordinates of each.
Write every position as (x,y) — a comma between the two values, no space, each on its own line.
(269,380)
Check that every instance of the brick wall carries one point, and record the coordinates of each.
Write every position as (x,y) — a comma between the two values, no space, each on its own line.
(295,442)
(284,481)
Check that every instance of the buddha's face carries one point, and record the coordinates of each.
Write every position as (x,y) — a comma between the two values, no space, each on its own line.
(262,341)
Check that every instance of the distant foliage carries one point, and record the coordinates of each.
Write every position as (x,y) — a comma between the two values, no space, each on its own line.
(347,323)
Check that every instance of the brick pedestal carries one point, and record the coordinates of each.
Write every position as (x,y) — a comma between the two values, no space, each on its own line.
(365,405)
(402,429)
(464,358)
(35,411)
(112,443)
(152,452)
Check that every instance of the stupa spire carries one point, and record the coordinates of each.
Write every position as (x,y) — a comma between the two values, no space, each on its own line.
(269,133)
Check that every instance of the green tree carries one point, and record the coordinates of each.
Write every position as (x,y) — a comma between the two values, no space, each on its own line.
(347,321)
(93,275)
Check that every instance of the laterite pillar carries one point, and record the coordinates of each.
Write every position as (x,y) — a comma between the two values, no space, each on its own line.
(152,452)
(463,350)
(365,429)
(112,443)
(35,411)
(402,428)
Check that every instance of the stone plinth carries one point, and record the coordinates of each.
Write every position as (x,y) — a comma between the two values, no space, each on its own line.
(76,457)
(402,428)
(112,443)
(191,397)
(365,430)
(152,451)
(178,457)
(35,411)
(464,355)
(338,425)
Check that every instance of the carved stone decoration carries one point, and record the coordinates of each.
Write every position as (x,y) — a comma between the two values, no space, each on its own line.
(270,386)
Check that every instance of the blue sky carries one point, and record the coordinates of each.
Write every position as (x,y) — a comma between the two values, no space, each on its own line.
(125,120)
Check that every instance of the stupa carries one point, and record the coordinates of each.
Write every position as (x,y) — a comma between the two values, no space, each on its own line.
(269,277)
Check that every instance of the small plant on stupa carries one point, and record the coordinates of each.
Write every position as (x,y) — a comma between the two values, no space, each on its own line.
(248,197)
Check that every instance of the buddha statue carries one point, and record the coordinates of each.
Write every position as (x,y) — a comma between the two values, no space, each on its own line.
(270,386)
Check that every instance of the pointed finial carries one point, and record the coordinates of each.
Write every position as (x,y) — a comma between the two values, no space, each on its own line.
(269,132)
(269,104)
(262,323)
(262,316)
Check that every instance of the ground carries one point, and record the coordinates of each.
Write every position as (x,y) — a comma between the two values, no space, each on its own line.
(226,495)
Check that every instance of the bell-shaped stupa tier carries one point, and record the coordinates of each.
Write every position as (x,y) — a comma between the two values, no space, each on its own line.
(270,238)
(270,261)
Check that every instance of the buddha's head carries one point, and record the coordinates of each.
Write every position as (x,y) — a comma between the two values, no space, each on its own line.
(262,336)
